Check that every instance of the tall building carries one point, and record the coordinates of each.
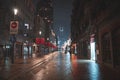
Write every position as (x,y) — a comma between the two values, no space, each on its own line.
(45,10)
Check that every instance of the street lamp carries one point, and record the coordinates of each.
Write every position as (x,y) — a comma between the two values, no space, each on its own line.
(15,11)
(40,32)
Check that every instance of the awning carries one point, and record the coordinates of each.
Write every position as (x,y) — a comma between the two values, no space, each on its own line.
(40,41)
(48,44)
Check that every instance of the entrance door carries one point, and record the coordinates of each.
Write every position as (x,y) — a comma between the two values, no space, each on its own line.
(92,45)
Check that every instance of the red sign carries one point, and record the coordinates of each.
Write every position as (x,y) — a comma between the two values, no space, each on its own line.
(13,27)
(14,24)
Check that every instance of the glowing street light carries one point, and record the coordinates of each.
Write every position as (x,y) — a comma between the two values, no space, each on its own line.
(47,39)
(15,11)
(40,32)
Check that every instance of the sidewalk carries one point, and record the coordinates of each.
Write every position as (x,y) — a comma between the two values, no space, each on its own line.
(24,59)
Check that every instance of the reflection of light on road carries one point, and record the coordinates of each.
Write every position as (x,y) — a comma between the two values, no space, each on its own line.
(39,75)
(33,55)
(67,64)
(94,71)
(74,62)
(73,57)
(74,65)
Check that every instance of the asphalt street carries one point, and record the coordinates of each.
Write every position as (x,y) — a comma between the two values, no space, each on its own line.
(57,66)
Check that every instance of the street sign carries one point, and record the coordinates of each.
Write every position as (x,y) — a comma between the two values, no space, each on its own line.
(14,27)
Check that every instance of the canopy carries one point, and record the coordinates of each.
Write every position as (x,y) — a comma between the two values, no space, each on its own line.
(40,41)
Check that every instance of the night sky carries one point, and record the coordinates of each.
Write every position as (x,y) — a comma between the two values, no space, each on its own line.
(62,13)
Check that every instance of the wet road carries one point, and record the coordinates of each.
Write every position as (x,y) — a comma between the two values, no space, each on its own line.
(60,66)
(64,67)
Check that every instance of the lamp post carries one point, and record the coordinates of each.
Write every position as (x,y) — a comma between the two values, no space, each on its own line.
(13,31)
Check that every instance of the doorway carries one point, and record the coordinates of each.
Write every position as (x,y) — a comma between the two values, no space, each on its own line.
(92,51)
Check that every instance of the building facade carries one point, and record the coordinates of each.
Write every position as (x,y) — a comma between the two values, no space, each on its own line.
(25,17)
(95,29)
(45,11)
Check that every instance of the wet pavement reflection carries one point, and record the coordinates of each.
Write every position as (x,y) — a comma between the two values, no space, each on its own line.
(66,67)
(60,66)
(94,71)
